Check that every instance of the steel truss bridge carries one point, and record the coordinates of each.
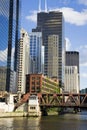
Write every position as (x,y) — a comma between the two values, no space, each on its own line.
(63,100)
(58,100)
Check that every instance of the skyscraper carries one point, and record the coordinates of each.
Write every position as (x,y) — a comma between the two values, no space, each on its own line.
(51,23)
(22,61)
(72,59)
(36,51)
(9,35)
(53,42)
(72,76)
(71,79)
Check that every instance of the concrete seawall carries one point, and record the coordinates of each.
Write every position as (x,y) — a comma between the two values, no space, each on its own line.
(13,114)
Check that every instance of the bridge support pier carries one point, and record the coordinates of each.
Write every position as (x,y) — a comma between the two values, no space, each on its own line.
(44,111)
(75,110)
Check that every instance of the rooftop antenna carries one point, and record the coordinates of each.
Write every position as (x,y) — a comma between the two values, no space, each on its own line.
(39,5)
(45,5)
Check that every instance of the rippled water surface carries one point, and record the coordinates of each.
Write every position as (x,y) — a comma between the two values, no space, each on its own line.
(62,122)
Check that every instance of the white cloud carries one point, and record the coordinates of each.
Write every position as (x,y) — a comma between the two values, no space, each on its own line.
(67,44)
(84,75)
(74,17)
(3,55)
(84,2)
(71,16)
(83,64)
(83,47)
(83,55)
(33,16)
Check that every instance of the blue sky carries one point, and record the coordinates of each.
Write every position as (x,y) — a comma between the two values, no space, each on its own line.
(75,15)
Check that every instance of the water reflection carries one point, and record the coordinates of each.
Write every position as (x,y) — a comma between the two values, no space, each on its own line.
(19,124)
(6,123)
(76,116)
(62,122)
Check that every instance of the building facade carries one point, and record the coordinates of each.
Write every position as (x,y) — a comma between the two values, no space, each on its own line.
(36,51)
(22,61)
(2,78)
(71,79)
(51,23)
(53,42)
(9,35)
(33,83)
(37,83)
(72,61)
(83,90)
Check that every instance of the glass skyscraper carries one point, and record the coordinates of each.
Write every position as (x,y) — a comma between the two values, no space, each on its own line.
(9,35)
(36,51)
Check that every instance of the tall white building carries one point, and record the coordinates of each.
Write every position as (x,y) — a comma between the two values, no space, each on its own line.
(23,61)
(71,79)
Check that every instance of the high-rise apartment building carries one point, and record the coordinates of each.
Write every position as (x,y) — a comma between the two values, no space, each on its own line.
(72,76)
(22,61)
(51,23)
(36,51)
(9,35)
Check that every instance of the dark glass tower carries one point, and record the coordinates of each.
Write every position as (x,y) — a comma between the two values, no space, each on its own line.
(9,35)
(72,59)
(51,23)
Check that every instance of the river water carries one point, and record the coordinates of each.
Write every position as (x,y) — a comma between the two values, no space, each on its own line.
(61,122)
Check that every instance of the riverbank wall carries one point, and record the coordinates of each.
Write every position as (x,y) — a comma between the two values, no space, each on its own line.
(13,114)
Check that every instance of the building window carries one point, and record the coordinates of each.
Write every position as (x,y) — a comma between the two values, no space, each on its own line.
(33,83)
(33,78)
(32,108)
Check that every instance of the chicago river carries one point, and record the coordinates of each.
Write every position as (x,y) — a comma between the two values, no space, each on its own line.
(60,122)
